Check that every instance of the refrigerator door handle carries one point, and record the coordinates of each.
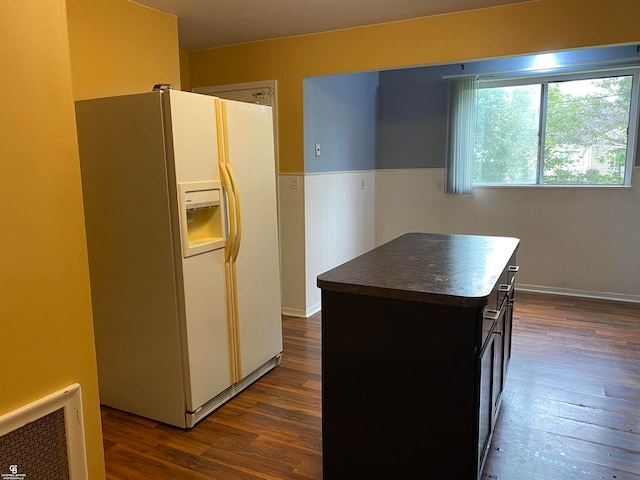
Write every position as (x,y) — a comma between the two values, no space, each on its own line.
(230,282)
(231,206)
(226,182)
(238,220)
(235,246)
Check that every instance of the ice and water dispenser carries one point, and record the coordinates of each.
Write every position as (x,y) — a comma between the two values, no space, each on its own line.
(202,220)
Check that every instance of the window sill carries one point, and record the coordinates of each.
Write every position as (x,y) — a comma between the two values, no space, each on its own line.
(523,186)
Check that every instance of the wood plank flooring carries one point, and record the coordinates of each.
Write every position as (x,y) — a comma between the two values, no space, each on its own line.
(571,407)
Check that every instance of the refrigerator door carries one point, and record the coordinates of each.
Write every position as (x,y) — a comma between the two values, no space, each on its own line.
(248,132)
(193,147)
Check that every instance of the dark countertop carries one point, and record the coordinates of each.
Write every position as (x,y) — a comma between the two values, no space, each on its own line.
(456,270)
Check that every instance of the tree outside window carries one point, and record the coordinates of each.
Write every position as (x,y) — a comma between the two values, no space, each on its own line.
(571,131)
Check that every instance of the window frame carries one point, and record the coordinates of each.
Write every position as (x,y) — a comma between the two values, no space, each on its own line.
(544,79)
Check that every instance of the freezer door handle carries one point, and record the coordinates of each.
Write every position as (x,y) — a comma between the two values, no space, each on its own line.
(238,221)
(226,183)
(235,246)
(230,184)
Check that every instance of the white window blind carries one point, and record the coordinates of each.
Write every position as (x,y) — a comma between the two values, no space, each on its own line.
(462,118)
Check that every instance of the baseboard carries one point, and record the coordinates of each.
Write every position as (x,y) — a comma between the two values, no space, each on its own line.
(296,312)
(315,309)
(620,297)
(293,312)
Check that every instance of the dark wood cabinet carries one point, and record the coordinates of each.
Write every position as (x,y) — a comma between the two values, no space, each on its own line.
(494,356)
(498,360)
(415,347)
(487,398)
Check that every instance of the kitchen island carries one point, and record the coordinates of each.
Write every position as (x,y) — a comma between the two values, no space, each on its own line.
(416,341)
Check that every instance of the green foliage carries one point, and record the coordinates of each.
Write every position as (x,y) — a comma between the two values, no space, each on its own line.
(506,135)
(584,140)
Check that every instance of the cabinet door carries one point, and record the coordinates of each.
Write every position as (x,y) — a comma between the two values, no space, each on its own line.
(498,363)
(485,414)
(506,337)
(512,269)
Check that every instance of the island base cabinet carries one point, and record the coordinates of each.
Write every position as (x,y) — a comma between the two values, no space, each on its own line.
(398,381)
(486,402)
(491,379)
(416,342)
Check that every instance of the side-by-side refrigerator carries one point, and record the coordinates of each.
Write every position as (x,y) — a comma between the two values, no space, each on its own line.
(180,211)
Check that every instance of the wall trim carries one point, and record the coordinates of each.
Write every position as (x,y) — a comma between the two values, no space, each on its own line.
(619,297)
(313,310)
(339,172)
(296,312)
(567,292)
(293,312)
(69,399)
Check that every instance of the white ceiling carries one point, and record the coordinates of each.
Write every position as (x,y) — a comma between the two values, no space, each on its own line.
(214,23)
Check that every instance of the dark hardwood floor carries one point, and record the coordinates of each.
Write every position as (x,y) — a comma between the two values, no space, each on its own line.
(570,410)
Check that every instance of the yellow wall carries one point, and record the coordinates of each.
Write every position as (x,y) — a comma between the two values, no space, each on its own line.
(542,25)
(115,47)
(118,47)
(184,70)
(108,48)
(46,333)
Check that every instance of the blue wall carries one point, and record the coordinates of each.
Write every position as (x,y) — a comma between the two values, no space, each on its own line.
(398,118)
(340,114)
(412,114)
(412,118)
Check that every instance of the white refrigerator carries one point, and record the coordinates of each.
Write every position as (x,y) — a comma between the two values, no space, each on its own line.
(180,210)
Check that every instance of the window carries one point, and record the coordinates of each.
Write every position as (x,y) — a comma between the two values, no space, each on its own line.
(572,129)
